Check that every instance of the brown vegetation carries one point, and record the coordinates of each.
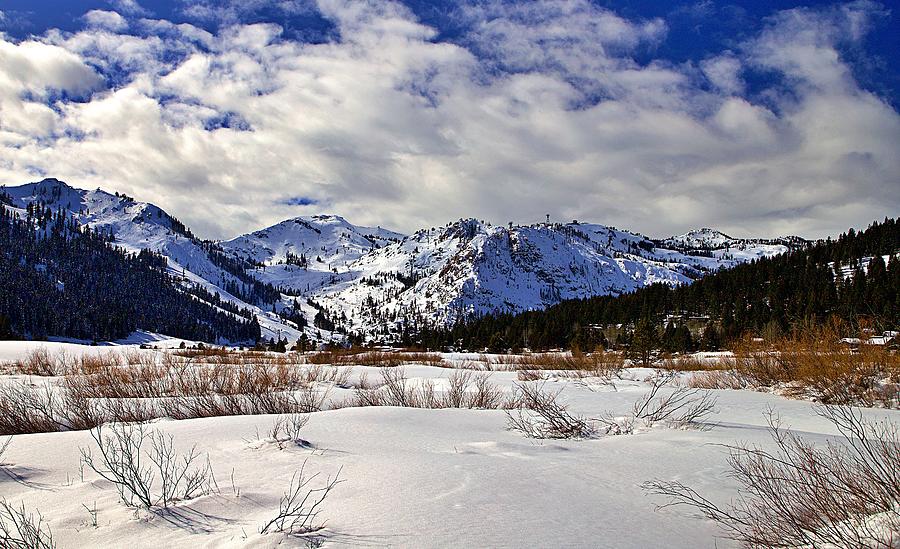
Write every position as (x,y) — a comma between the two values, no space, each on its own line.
(383,359)
(718,379)
(816,364)
(599,364)
(143,386)
(692,363)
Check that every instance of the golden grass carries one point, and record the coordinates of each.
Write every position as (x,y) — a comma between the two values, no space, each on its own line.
(693,363)
(815,364)
(601,363)
(382,359)
(717,379)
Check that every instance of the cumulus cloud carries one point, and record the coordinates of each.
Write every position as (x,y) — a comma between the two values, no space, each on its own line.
(104,19)
(30,72)
(530,109)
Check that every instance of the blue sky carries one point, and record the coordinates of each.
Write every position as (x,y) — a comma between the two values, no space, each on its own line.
(759,118)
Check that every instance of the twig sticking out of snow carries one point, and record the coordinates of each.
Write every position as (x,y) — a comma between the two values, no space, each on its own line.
(286,430)
(298,508)
(20,529)
(4,446)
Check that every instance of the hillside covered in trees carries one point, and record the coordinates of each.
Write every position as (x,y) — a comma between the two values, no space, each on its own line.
(855,278)
(61,279)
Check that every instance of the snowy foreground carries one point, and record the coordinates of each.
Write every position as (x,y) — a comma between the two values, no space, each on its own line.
(414,477)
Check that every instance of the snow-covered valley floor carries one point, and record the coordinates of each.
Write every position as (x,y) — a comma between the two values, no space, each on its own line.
(414,477)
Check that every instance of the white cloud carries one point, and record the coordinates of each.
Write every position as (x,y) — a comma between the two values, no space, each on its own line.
(29,71)
(104,19)
(389,125)
(724,72)
(129,7)
(572,39)
(232,12)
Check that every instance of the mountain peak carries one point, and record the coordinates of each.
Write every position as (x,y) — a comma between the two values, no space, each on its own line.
(707,232)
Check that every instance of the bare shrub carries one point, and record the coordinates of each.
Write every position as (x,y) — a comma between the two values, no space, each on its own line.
(458,383)
(39,362)
(210,351)
(680,407)
(845,494)
(599,364)
(123,453)
(383,359)
(339,376)
(503,362)
(180,390)
(465,389)
(90,363)
(718,379)
(26,409)
(140,386)
(299,507)
(530,375)
(303,400)
(286,430)
(485,396)
(20,529)
(693,363)
(541,415)
(3,446)
(324,357)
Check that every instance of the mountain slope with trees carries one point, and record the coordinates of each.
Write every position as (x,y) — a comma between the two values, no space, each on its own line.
(855,278)
(65,280)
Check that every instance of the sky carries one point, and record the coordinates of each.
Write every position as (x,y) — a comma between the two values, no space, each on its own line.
(759,118)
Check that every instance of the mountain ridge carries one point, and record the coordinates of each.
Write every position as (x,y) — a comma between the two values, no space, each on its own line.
(378,284)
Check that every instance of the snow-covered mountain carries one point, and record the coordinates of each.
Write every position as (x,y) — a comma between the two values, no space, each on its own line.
(720,245)
(374,281)
(139,225)
(469,267)
(330,239)
(305,253)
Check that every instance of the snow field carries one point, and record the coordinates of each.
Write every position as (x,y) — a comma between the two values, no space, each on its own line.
(413,477)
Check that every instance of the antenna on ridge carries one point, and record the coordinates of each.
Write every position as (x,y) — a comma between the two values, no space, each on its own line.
(548,219)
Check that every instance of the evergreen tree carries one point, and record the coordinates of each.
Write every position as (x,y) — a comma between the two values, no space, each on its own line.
(644,341)
(710,340)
